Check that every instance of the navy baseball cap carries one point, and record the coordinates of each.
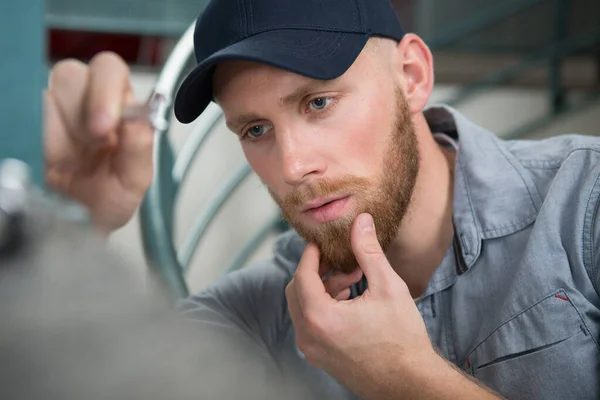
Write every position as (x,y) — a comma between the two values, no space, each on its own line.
(319,39)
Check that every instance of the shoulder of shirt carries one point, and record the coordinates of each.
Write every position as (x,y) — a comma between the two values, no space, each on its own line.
(571,161)
(567,161)
(552,152)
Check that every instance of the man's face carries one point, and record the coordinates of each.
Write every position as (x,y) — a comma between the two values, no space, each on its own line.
(327,151)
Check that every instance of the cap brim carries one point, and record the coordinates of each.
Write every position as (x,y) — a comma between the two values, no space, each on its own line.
(315,54)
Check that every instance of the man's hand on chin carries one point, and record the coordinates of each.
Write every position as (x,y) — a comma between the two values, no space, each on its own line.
(375,345)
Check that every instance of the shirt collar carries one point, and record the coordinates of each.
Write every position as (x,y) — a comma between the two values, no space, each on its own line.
(493,194)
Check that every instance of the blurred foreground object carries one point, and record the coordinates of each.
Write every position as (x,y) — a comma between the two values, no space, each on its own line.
(76,324)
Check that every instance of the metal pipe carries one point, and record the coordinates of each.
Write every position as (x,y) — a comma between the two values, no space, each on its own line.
(204,220)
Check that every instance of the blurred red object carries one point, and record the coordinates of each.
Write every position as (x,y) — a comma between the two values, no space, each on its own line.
(147,50)
(134,49)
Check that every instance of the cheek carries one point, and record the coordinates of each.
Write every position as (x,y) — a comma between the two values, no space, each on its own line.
(364,140)
(264,164)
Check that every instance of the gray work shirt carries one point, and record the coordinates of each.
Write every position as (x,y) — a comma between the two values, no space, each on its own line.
(515,302)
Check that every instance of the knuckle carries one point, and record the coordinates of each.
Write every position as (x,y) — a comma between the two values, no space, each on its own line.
(304,344)
(312,351)
(308,347)
(376,255)
(290,291)
(372,248)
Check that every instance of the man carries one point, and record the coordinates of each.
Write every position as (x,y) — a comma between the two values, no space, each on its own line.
(479,254)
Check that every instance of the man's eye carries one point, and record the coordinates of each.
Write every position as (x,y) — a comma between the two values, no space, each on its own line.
(257,131)
(320,103)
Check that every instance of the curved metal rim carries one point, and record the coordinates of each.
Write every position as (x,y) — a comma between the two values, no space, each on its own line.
(194,142)
(152,225)
(203,221)
(253,243)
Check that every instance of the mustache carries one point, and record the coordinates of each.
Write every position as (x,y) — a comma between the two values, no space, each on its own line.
(323,188)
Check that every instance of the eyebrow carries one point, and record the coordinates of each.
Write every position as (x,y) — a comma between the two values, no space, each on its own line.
(291,98)
(299,93)
(242,120)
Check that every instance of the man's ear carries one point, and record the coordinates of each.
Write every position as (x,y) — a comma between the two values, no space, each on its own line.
(415,64)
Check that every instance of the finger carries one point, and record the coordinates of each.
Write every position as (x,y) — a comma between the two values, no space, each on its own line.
(339,282)
(368,252)
(134,159)
(309,286)
(343,295)
(323,269)
(293,304)
(107,92)
(59,151)
(68,85)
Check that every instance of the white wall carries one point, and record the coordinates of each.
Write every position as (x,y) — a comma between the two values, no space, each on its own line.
(499,111)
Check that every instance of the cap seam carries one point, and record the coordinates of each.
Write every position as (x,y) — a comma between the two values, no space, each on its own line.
(241,17)
(306,28)
(362,16)
(246,32)
(323,47)
(243,22)
(251,16)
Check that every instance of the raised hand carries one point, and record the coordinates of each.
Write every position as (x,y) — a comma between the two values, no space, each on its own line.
(376,345)
(91,155)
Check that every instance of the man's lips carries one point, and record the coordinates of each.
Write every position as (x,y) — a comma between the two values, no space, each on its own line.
(314,204)
(326,209)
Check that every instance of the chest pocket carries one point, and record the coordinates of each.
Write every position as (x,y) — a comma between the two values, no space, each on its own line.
(544,352)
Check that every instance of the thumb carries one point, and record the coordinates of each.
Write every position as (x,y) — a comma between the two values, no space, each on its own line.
(368,251)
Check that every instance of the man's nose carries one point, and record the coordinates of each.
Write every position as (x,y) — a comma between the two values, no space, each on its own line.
(300,159)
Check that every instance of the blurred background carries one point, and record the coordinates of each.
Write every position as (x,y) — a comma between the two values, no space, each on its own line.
(521,68)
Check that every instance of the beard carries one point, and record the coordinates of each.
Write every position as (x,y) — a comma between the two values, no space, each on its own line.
(386,198)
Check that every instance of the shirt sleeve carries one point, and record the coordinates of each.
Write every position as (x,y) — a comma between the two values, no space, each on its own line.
(251,300)
(239,321)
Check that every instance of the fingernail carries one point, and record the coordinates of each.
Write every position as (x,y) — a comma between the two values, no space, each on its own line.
(366,223)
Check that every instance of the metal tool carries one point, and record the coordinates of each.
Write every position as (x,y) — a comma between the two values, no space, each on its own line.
(153,111)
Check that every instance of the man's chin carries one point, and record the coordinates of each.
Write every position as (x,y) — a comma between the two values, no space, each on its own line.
(329,229)
(345,264)
(334,244)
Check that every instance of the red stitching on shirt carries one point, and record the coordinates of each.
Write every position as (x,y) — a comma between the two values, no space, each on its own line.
(561,297)
(468,363)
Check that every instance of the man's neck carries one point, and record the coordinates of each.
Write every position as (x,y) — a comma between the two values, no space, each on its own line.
(427,230)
